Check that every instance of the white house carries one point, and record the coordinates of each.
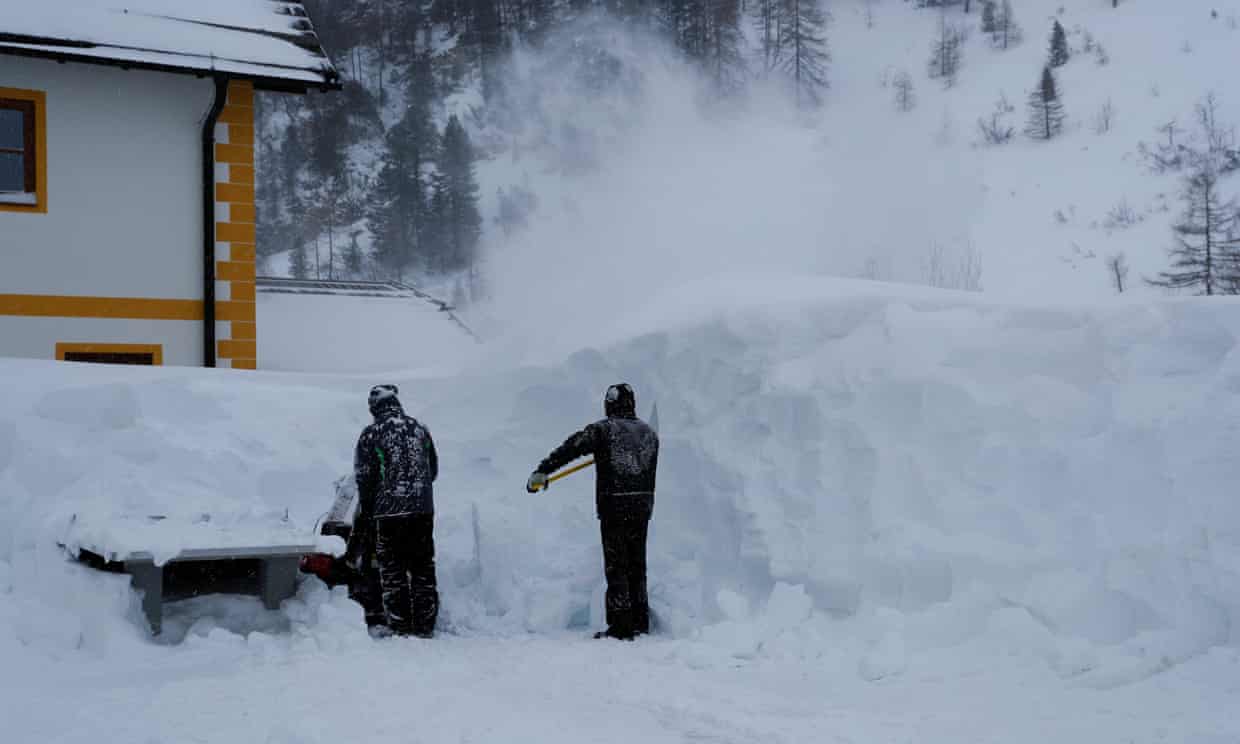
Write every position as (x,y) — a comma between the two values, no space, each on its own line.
(127,217)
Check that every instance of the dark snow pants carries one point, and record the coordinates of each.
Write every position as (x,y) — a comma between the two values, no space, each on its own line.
(366,591)
(624,563)
(405,549)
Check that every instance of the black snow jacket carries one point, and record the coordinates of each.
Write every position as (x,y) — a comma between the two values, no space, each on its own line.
(626,455)
(395,465)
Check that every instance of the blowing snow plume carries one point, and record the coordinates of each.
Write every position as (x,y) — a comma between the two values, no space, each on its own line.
(645,181)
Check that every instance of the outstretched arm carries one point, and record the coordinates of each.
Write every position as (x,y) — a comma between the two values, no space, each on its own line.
(578,445)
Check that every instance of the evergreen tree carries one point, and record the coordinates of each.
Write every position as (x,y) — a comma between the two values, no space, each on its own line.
(708,33)
(1059,53)
(1046,115)
(766,19)
(298,262)
(353,259)
(1206,256)
(455,201)
(1007,31)
(393,215)
(398,201)
(906,96)
(488,39)
(803,51)
(723,58)
(989,24)
(945,55)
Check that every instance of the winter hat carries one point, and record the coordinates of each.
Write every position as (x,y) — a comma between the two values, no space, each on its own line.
(620,400)
(380,395)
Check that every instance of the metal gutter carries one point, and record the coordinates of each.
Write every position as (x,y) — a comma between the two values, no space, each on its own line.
(208,220)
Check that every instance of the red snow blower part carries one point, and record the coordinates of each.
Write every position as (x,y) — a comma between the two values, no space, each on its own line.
(319,564)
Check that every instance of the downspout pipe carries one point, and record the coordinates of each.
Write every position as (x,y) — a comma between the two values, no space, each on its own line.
(208,220)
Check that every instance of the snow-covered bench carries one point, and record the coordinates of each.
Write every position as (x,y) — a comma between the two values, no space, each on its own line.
(277,573)
(173,558)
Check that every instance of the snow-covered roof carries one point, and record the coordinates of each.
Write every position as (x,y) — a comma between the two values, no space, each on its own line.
(269,41)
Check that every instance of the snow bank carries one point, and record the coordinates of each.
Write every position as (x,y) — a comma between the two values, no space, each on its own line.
(845,465)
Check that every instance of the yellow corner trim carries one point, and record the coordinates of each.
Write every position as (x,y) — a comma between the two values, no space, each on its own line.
(239,154)
(234,271)
(234,349)
(234,310)
(240,93)
(234,193)
(239,213)
(240,174)
(131,308)
(155,350)
(235,232)
(40,149)
(237,115)
(242,291)
(242,331)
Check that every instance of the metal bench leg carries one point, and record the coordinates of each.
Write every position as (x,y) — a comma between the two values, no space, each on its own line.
(279,580)
(148,578)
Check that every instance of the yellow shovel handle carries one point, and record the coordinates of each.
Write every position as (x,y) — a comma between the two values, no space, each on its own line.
(566,473)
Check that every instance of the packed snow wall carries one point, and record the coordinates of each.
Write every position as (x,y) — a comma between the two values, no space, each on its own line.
(843,464)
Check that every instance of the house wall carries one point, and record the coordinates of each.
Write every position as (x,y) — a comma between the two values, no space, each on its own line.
(123,223)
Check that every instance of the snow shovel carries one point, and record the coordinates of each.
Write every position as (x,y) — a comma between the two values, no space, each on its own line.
(654,424)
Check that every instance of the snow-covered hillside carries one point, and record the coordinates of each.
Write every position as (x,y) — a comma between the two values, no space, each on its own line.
(631,169)
(670,189)
(884,514)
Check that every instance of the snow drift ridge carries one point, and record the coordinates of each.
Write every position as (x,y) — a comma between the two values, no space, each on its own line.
(848,466)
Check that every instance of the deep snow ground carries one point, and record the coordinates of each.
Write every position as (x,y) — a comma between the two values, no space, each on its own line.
(323,680)
(566,689)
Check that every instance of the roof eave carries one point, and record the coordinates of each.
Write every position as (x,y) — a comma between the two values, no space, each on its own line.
(273,83)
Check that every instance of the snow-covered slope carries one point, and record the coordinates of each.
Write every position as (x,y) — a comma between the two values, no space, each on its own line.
(639,186)
(867,483)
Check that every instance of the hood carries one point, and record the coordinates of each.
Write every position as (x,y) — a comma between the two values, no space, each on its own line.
(620,401)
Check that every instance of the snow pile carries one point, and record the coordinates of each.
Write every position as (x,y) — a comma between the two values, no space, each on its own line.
(847,469)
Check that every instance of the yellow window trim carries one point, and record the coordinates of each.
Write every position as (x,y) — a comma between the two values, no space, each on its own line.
(40,149)
(155,350)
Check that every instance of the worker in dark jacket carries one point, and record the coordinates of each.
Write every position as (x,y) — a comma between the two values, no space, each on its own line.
(626,455)
(363,578)
(395,465)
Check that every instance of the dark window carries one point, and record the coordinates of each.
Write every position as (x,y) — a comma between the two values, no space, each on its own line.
(17,143)
(110,357)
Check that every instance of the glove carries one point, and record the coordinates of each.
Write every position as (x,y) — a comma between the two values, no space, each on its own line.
(537,482)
